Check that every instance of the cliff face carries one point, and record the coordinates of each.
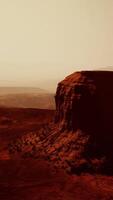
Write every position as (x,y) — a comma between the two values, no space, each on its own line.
(74,99)
(84,100)
(81,139)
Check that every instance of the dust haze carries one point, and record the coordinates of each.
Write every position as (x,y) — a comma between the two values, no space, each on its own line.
(56,99)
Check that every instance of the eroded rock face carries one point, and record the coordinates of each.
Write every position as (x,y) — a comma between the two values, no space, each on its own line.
(74,99)
(81,139)
(84,100)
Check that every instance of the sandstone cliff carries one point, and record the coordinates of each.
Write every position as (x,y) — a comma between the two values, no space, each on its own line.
(84,100)
(84,104)
(81,137)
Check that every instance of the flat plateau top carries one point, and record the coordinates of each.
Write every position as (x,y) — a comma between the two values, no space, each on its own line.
(82,76)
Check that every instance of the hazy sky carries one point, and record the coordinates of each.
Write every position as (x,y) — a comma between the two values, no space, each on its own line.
(45,40)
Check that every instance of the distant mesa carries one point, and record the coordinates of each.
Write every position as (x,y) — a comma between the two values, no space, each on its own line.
(21,90)
(26,97)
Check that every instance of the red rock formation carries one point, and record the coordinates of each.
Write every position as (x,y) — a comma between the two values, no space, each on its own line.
(81,139)
(84,101)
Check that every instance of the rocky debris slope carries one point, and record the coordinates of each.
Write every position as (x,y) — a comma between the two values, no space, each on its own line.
(81,137)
